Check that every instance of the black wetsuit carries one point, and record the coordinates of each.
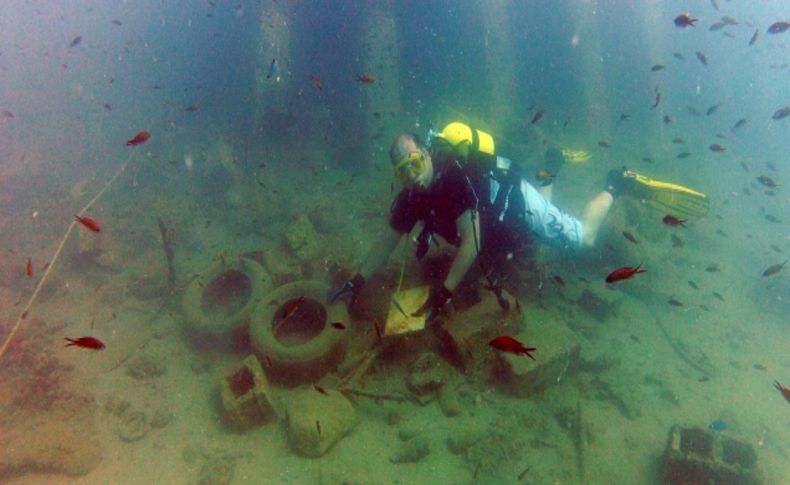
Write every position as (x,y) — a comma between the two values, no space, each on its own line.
(456,188)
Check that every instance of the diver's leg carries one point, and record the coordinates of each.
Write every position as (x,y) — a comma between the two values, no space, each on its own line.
(594,214)
(548,222)
(546,191)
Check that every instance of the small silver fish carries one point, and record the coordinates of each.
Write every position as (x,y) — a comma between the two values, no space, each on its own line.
(274,70)
(754,38)
(781,113)
(773,269)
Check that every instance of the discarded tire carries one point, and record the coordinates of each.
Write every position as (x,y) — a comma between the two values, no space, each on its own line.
(217,305)
(291,331)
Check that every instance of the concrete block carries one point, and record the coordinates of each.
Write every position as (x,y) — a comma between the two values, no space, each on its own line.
(318,420)
(557,354)
(246,396)
(700,456)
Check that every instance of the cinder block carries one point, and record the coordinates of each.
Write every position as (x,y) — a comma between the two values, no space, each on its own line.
(246,396)
(699,456)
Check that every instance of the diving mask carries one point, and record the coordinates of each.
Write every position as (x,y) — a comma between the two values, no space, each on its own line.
(411,167)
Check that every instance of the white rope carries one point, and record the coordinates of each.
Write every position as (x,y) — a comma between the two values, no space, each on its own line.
(29,304)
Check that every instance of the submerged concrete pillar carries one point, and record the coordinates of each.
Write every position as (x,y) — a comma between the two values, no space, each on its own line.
(274,40)
(500,57)
(381,99)
(594,117)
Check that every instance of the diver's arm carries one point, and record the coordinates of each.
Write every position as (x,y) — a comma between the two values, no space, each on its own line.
(380,251)
(468,225)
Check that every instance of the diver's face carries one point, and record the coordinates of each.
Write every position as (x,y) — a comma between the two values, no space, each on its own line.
(416,168)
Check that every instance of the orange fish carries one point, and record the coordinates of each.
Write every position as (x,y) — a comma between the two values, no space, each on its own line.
(366,78)
(624,273)
(29,268)
(139,138)
(509,344)
(89,223)
(316,82)
(785,391)
(544,177)
(85,343)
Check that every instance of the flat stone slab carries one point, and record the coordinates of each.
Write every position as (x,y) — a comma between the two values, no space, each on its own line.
(557,354)
(317,420)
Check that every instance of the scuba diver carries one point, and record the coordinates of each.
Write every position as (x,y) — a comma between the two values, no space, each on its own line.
(479,203)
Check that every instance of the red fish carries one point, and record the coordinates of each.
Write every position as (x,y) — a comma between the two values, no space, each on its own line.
(89,223)
(366,78)
(671,220)
(139,138)
(785,391)
(316,82)
(684,21)
(29,268)
(85,342)
(292,307)
(509,344)
(537,117)
(624,273)
(192,108)
(339,326)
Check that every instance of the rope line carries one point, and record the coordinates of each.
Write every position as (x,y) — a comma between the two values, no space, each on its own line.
(30,301)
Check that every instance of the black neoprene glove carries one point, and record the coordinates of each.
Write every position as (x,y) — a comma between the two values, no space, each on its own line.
(348,291)
(554,160)
(438,297)
(616,182)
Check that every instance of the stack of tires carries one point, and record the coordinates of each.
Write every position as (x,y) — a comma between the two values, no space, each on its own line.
(235,306)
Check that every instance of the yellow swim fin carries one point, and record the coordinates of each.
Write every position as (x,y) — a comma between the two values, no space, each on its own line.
(671,198)
(575,156)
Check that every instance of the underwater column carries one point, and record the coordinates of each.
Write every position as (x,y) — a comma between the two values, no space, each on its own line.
(274,40)
(500,57)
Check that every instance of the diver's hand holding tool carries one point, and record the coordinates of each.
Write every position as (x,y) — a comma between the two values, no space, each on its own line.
(348,291)
(438,298)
